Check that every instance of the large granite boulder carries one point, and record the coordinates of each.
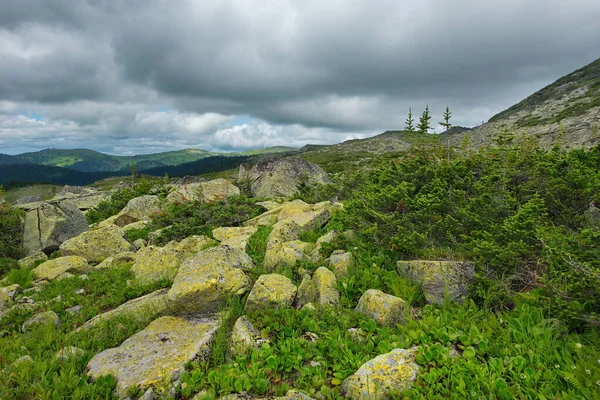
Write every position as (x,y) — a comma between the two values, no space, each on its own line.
(282,177)
(270,292)
(207,192)
(286,254)
(205,280)
(98,244)
(291,228)
(440,279)
(141,208)
(383,377)
(382,307)
(50,224)
(52,269)
(157,355)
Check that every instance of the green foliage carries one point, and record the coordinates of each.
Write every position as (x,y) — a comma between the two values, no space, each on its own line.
(20,276)
(409,122)
(198,218)
(118,200)
(424,121)
(257,245)
(141,233)
(11,231)
(6,264)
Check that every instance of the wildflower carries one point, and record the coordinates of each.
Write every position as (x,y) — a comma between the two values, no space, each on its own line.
(573,367)
(473,394)
(579,345)
(557,366)
(587,371)
(598,383)
(523,376)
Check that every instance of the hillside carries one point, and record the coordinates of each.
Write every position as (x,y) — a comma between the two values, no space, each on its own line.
(86,160)
(571,104)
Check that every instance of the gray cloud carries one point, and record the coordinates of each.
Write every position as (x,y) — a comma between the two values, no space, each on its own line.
(104,73)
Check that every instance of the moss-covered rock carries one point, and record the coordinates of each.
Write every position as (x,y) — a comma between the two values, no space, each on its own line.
(382,307)
(271,291)
(285,254)
(207,192)
(98,244)
(43,318)
(143,308)
(205,280)
(315,255)
(29,260)
(119,259)
(340,262)
(307,292)
(291,228)
(383,377)
(244,336)
(156,355)
(141,208)
(5,302)
(236,237)
(68,353)
(440,279)
(293,208)
(326,284)
(52,269)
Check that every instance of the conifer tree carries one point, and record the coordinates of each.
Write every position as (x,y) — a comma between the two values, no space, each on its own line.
(424,125)
(409,122)
(446,124)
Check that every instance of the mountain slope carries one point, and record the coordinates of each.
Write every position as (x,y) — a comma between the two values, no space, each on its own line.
(571,105)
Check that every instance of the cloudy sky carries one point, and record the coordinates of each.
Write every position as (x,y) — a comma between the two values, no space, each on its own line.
(142,76)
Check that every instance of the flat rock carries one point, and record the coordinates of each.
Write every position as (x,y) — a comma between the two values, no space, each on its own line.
(98,244)
(207,192)
(293,208)
(382,307)
(29,260)
(236,237)
(142,208)
(291,228)
(270,292)
(383,377)
(205,280)
(52,269)
(156,355)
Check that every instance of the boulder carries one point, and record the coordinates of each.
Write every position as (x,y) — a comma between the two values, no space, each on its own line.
(98,244)
(265,219)
(157,355)
(49,225)
(205,280)
(440,279)
(244,337)
(52,269)
(153,264)
(383,377)
(307,292)
(340,261)
(68,353)
(234,237)
(207,192)
(141,208)
(270,292)
(281,177)
(383,308)
(326,285)
(122,258)
(291,228)
(269,204)
(329,237)
(286,254)
(143,308)
(44,318)
(293,208)
(5,302)
(33,258)
(135,226)
(11,290)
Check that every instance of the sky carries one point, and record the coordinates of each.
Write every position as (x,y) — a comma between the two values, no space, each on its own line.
(144,76)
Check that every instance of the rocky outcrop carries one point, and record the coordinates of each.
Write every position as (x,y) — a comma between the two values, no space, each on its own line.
(98,244)
(205,280)
(382,307)
(50,224)
(281,178)
(141,208)
(383,376)
(143,308)
(52,269)
(207,192)
(440,279)
(81,197)
(270,292)
(156,355)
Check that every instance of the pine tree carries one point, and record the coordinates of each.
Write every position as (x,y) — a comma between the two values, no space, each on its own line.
(423,126)
(409,122)
(446,124)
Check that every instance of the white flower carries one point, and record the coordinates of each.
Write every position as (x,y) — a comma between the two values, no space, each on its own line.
(587,371)
(573,367)
(579,345)
(557,366)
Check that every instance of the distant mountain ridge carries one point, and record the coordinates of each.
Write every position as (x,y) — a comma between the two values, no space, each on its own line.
(86,160)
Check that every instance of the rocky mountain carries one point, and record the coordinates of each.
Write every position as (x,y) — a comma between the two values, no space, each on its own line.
(566,112)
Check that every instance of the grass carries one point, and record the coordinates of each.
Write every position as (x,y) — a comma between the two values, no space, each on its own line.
(43,190)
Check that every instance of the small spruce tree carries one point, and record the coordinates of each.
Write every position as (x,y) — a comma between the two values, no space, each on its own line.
(446,124)
(409,122)
(424,125)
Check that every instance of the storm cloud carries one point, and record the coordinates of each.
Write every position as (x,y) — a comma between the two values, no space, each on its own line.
(142,76)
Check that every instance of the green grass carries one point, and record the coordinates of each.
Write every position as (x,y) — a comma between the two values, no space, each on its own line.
(46,191)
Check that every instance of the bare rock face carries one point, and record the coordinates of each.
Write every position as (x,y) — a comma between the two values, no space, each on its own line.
(51,224)
(281,178)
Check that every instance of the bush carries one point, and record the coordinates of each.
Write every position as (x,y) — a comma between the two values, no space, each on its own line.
(6,264)
(11,232)
(118,200)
